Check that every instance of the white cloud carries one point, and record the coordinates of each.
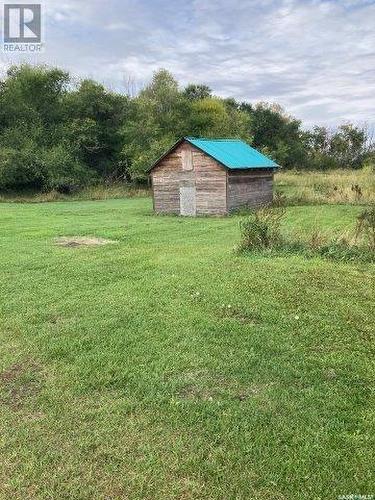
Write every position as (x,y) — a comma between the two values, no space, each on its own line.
(314,57)
(116,26)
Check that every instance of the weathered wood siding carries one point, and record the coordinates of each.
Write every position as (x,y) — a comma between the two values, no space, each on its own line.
(167,177)
(218,190)
(251,188)
(188,166)
(211,184)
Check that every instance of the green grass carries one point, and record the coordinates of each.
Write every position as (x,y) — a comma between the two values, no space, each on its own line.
(166,366)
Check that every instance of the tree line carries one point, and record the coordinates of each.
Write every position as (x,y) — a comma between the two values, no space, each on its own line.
(57,133)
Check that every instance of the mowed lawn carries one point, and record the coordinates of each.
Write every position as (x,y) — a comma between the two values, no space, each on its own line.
(166,366)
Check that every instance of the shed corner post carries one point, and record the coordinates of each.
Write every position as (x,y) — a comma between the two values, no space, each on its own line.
(227,191)
(151,185)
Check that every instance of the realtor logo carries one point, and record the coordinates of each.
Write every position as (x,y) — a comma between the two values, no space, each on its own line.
(22,27)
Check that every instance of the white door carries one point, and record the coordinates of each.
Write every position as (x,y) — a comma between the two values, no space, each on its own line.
(187,200)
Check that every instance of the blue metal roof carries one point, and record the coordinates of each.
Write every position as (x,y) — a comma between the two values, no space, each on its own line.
(232,153)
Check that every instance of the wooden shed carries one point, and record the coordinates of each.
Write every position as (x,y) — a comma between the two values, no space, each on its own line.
(211,177)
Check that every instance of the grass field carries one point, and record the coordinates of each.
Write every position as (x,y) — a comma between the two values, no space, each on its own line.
(166,366)
(333,186)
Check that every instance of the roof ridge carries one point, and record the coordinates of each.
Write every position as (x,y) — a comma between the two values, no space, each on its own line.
(213,139)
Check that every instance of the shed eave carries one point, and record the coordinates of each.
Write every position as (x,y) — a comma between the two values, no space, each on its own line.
(253,167)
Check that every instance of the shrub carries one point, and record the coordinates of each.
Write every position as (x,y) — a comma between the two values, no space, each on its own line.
(261,229)
(21,168)
(346,252)
(65,173)
(33,167)
(279,199)
(316,240)
(366,227)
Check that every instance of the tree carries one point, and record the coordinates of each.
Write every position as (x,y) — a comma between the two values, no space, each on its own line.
(158,118)
(56,134)
(93,117)
(212,117)
(318,146)
(195,92)
(348,146)
(31,117)
(277,134)
(345,147)
(32,97)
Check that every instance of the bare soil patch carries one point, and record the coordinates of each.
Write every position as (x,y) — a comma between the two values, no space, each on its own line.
(82,241)
(215,393)
(20,382)
(245,317)
(217,389)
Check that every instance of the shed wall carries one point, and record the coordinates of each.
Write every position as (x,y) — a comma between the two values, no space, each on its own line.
(207,175)
(251,188)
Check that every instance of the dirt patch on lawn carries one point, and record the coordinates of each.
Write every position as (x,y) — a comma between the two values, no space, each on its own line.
(82,241)
(226,392)
(242,316)
(20,382)
(193,392)
(216,387)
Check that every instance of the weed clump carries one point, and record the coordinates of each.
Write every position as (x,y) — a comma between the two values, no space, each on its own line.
(366,227)
(261,229)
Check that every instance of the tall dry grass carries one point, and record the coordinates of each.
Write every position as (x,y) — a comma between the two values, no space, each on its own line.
(335,186)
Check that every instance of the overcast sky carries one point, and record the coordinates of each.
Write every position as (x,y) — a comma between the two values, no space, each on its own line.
(314,57)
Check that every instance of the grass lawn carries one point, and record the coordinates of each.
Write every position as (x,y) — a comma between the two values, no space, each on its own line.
(167,366)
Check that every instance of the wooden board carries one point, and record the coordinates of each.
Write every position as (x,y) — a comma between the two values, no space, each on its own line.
(188,204)
(207,175)
(251,188)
